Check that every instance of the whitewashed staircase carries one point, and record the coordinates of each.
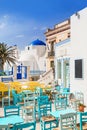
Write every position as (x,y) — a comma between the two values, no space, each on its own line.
(47,77)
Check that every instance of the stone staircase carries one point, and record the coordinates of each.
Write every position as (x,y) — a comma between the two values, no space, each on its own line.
(47,77)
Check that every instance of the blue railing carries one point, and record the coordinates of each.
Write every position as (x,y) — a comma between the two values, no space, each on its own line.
(32,72)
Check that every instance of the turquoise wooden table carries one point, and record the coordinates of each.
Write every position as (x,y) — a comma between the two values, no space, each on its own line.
(57,114)
(11,120)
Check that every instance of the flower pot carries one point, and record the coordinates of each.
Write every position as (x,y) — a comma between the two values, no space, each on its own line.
(81,108)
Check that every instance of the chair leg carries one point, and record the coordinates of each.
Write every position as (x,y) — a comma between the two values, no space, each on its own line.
(42,125)
(5,99)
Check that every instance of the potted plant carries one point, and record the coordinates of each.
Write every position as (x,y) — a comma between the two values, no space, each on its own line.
(81,107)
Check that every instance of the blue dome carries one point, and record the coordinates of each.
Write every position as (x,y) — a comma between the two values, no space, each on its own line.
(37,42)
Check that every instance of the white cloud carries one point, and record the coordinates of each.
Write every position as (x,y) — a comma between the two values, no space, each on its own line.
(20,36)
(43,28)
(35,28)
(5,16)
(2,25)
(40,28)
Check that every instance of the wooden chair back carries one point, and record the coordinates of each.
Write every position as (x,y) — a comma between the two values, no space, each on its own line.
(29,107)
(83,119)
(68,121)
(29,125)
(11,110)
(44,106)
(4,127)
(60,102)
(39,91)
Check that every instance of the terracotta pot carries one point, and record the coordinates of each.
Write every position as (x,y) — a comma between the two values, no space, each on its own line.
(81,108)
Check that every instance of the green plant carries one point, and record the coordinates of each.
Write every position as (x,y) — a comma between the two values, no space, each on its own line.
(49,83)
(2,73)
(81,107)
(49,93)
(81,104)
(7,54)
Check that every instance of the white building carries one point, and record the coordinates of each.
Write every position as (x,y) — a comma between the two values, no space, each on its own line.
(34,56)
(78,61)
(71,56)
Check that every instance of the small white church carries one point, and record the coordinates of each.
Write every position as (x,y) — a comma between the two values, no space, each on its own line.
(34,56)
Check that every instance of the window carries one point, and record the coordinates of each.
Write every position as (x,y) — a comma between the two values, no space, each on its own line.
(59,70)
(52,64)
(78,69)
(52,46)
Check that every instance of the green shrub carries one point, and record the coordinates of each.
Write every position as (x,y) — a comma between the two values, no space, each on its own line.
(2,73)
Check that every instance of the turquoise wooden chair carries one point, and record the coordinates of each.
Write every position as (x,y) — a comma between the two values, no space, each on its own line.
(79,96)
(66,89)
(17,98)
(75,99)
(28,125)
(29,101)
(44,106)
(5,99)
(38,91)
(83,119)
(28,93)
(68,122)
(11,110)
(5,127)
(60,102)
(44,109)
(58,88)
(48,122)
(29,108)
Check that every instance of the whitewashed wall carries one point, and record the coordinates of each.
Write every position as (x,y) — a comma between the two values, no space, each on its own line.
(79,50)
(62,51)
(34,57)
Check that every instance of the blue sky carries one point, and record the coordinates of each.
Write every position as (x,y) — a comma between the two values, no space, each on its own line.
(22,21)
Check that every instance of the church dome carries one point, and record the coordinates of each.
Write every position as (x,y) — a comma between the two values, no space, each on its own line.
(37,42)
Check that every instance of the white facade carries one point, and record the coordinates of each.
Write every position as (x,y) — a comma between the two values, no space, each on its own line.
(62,63)
(76,51)
(79,51)
(33,56)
